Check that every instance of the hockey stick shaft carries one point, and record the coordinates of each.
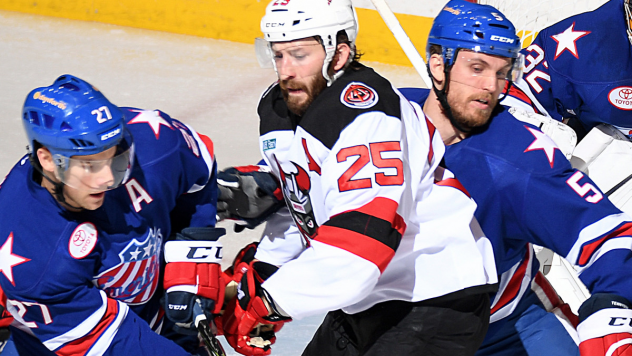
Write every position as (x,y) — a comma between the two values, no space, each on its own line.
(402,38)
(213,345)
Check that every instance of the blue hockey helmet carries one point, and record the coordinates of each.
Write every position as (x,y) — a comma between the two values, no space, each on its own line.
(479,28)
(71,118)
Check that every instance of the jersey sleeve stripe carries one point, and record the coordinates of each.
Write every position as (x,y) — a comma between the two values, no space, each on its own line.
(375,219)
(517,93)
(80,330)
(108,325)
(589,249)
(372,231)
(206,148)
(454,183)
(431,131)
(514,286)
(360,245)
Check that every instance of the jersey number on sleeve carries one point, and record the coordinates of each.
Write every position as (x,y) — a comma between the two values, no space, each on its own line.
(582,190)
(22,306)
(531,63)
(373,154)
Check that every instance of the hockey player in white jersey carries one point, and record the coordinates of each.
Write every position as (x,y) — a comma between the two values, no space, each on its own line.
(374,232)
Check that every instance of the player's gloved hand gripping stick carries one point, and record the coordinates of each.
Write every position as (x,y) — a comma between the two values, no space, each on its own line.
(206,331)
(193,283)
(251,320)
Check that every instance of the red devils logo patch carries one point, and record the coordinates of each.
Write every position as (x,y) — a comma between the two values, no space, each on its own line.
(359,96)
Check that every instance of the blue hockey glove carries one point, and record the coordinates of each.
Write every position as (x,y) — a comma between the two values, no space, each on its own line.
(193,271)
(248,194)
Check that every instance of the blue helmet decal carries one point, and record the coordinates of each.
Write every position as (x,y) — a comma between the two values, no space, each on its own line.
(475,27)
(71,117)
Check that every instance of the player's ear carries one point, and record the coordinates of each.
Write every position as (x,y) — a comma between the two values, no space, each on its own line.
(343,51)
(436,66)
(45,159)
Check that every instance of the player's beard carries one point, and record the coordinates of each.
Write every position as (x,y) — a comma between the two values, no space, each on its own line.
(468,117)
(312,87)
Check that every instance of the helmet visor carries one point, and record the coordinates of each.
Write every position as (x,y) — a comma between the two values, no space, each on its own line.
(282,55)
(478,69)
(99,172)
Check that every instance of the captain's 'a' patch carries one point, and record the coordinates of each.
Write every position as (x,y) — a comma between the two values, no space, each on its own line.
(359,96)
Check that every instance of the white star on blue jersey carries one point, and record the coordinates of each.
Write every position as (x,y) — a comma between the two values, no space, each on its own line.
(544,143)
(566,41)
(152,118)
(8,260)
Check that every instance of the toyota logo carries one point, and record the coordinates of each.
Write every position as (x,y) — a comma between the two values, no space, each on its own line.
(625,93)
(79,237)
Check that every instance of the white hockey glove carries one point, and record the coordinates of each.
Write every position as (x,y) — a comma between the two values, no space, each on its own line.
(605,326)
(248,194)
(563,135)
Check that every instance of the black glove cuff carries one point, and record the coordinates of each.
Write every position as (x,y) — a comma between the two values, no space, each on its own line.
(600,301)
(201,233)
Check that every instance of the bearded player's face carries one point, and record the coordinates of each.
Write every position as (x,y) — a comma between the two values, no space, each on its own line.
(476,82)
(299,65)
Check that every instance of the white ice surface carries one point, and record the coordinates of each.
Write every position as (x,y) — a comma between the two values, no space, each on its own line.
(212,85)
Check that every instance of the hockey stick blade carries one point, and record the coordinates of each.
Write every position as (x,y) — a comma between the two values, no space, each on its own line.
(213,345)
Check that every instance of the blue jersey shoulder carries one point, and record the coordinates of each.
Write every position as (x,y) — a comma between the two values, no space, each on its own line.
(513,142)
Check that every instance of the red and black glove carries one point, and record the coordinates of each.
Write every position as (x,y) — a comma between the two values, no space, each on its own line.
(605,326)
(251,320)
(193,271)
(242,261)
(248,194)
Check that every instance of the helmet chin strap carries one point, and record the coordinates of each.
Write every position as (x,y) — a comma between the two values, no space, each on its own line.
(329,56)
(442,95)
(58,187)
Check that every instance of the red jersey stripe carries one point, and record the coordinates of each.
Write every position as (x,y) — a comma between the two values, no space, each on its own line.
(588,250)
(513,287)
(360,245)
(454,183)
(82,345)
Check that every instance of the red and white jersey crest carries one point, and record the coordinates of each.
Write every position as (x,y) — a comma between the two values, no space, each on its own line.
(134,280)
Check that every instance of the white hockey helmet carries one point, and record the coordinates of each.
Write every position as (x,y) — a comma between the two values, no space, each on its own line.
(289,20)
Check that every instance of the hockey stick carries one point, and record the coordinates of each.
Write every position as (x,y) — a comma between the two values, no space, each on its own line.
(402,38)
(213,345)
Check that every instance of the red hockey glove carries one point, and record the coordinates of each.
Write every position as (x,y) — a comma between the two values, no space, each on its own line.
(248,324)
(193,271)
(5,321)
(605,326)
(242,261)
(248,194)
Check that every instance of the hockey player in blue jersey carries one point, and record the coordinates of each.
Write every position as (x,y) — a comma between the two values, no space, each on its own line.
(580,68)
(87,219)
(527,193)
